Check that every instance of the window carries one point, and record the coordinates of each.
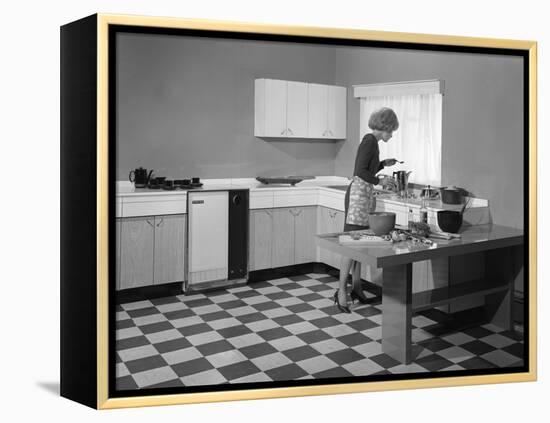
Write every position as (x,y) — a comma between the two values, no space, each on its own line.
(417,142)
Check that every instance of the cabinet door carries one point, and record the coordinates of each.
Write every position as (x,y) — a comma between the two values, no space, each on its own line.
(136,252)
(317,111)
(169,248)
(323,226)
(261,239)
(330,221)
(275,111)
(118,225)
(305,228)
(282,253)
(337,103)
(336,225)
(296,112)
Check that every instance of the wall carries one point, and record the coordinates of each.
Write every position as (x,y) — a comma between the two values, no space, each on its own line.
(482,140)
(186,107)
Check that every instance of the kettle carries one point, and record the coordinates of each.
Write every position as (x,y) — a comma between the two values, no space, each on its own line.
(402,180)
(141,177)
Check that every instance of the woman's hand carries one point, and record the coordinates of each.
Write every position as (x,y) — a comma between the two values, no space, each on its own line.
(387,182)
(389,162)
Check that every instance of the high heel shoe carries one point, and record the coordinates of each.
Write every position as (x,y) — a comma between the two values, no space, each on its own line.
(359,296)
(343,309)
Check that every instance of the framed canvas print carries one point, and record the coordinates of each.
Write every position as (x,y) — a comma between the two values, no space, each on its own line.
(256,211)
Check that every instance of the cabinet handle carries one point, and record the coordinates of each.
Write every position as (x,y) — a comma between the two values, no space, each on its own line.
(332,214)
(283,131)
(161,222)
(268,212)
(290,130)
(298,212)
(149,222)
(325,133)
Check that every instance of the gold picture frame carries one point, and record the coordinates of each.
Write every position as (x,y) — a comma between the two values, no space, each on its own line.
(98,27)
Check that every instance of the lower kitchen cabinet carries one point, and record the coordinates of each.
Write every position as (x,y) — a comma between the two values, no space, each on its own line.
(118,224)
(260,239)
(305,228)
(329,221)
(136,252)
(169,263)
(283,237)
(151,250)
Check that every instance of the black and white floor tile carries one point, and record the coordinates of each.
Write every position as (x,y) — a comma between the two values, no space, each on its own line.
(280,330)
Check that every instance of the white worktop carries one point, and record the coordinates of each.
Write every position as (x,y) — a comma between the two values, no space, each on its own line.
(309,192)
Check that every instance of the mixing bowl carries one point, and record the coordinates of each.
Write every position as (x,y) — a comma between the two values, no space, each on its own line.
(381,223)
(449,220)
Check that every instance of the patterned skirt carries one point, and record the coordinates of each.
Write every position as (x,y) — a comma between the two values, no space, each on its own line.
(360,201)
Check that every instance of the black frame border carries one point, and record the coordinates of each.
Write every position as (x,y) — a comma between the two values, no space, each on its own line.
(114,29)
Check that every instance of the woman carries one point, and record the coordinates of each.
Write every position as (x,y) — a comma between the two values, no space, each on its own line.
(360,200)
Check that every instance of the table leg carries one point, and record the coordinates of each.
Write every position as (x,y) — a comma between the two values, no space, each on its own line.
(397,312)
(500,266)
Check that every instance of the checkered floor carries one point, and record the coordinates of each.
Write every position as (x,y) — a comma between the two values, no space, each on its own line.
(280,330)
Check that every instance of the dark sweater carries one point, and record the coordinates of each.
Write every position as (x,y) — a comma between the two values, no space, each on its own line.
(367,161)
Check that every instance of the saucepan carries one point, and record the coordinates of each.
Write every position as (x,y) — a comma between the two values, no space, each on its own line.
(452,195)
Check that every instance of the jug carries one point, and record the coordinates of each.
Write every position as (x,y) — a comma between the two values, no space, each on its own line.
(141,177)
(402,180)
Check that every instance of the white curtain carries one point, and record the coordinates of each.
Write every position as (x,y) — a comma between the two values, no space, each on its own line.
(417,141)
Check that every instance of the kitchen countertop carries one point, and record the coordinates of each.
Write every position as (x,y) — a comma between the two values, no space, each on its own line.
(331,185)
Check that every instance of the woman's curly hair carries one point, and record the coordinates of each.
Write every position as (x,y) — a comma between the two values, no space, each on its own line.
(384,119)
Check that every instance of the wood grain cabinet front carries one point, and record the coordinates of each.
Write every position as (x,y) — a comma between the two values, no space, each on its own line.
(260,239)
(150,250)
(329,221)
(282,237)
(136,252)
(169,263)
(305,228)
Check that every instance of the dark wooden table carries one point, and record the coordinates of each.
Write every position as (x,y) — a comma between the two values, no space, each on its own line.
(499,244)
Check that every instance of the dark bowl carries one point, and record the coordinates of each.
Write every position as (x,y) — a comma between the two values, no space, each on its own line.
(451,196)
(449,220)
(381,223)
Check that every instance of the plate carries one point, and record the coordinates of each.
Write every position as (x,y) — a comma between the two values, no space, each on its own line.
(280,180)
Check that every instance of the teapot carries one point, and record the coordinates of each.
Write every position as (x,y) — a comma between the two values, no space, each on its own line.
(141,177)
(402,180)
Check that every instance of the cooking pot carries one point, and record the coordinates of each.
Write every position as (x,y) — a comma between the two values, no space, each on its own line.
(451,195)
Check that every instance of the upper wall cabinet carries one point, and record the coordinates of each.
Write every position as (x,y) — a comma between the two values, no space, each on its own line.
(280,108)
(288,109)
(326,111)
